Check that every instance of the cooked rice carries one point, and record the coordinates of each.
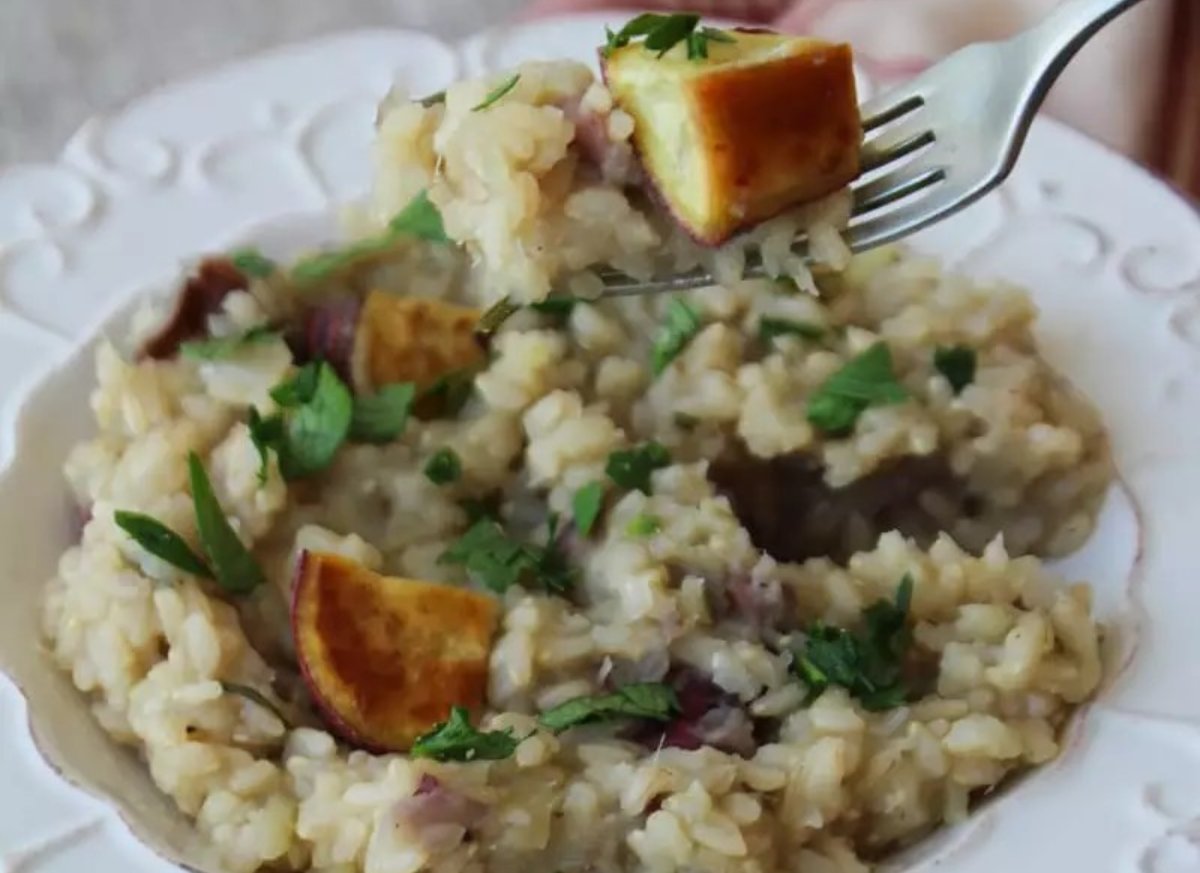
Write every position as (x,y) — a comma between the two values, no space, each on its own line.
(1012,649)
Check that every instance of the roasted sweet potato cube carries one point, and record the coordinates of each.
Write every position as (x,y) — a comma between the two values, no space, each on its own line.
(765,122)
(386,658)
(412,339)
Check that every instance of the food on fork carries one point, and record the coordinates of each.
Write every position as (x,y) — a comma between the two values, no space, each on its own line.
(733,127)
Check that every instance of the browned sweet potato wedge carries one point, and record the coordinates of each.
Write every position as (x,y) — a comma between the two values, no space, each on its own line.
(385,658)
(411,339)
(765,122)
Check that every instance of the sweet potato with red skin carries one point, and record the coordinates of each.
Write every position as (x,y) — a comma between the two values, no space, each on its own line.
(765,123)
(386,658)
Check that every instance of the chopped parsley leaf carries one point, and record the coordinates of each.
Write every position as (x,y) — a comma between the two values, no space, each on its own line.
(216,348)
(559,306)
(643,525)
(162,542)
(456,740)
(586,505)
(433,99)
(266,434)
(663,32)
(652,700)
(297,389)
(256,696)
(450,392)
(632,468)
(957,364)
(251,262)
(497,93)
(381,417)
(233,566)
(681,325)
(769,328)
(496,315)
(498,562)
(698,40)
(420,219)
(315,429)
(443,467)
(864,381)
(867,664)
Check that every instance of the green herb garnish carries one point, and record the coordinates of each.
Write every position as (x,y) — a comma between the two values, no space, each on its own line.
(319,267)
(643,525)
(433,99)
(957,364)
(496,315)
(233,566)
(215,348)
(663,32)
(586,505)
(698,40)
(498,92)
(867,664)
(632,468)
(420,219)
(162,542)
(681,325)
(316,429)
(381,417)
(769,328)
(450,392)
(558,307)
(266,434)
(499,562)
(456,740)
(864,381)
(255,696)
(443,467)
(652,700)
(298,388)
(251,262)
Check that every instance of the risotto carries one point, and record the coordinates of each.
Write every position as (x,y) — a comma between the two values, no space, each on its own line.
(746,580)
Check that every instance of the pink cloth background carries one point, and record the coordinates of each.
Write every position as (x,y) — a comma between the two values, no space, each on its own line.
(1111,91)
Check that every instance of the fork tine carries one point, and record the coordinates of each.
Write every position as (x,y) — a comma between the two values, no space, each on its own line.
(894,186)
(874,229)
(892,112)
(888,148)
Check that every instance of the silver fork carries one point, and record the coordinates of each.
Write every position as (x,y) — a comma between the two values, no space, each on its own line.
(940,141)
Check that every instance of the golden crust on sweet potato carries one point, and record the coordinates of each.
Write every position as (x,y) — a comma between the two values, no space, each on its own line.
(411,339)
(386,658)
(762,124)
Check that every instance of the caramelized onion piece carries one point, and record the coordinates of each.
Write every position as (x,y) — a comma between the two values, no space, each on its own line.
(201,296)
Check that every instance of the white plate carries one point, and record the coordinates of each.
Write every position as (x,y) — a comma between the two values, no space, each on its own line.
(1112,255)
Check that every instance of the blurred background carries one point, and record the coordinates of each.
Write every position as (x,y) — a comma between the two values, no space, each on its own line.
(1137,88)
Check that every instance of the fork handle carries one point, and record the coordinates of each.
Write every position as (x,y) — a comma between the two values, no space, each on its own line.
(1063,33)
